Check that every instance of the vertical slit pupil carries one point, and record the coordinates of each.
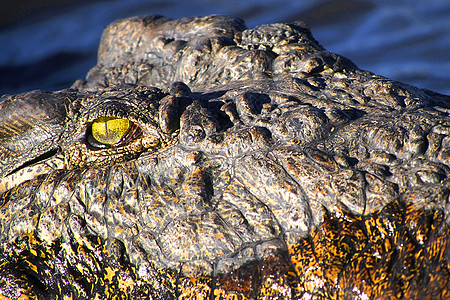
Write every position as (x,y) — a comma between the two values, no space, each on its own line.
(109,130)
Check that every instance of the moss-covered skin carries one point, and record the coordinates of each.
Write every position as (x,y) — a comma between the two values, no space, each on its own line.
(277,170)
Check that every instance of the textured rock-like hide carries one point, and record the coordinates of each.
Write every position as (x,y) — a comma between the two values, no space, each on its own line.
(260,165)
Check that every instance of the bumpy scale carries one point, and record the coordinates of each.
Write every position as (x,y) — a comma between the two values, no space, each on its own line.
(204,160)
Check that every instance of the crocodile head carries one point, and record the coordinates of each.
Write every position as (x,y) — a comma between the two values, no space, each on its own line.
(277,169)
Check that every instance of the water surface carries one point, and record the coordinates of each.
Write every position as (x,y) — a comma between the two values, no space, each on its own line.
(404,40)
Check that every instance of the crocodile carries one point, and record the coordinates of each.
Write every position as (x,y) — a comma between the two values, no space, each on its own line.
(200,159)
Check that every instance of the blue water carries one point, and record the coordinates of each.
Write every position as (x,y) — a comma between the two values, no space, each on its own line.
(403,40)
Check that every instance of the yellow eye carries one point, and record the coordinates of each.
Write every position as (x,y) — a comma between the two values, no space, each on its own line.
(109,130)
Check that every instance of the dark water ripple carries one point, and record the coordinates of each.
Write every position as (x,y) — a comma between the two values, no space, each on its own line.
(403,40)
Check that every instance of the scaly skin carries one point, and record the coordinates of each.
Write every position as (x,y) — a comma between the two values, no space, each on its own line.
(277,170)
